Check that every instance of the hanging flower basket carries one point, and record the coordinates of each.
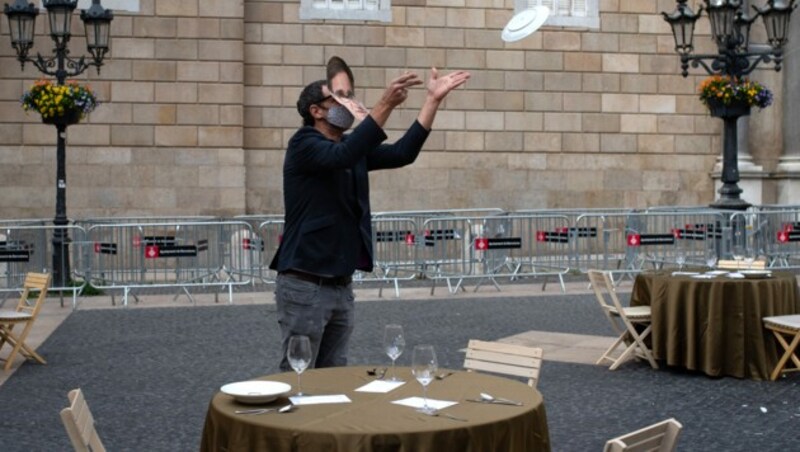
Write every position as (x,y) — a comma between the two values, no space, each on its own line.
(70,117)
(733,110)
(59,104)
(730,97)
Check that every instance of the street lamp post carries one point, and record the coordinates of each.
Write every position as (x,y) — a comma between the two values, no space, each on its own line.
(730,29)
(97,21)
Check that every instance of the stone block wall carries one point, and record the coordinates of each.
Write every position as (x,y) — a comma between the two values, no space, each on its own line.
(200,103)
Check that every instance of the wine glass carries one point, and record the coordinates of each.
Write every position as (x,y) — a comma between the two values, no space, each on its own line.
(680,258)
(299,355)
(393,342)
(711,258)
(749,257)
(424,366)
(738,254)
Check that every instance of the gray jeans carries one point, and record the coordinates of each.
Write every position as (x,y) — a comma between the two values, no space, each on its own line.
(323,313)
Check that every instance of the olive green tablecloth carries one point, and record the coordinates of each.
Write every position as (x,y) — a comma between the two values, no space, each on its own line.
(372,423)
(714,325)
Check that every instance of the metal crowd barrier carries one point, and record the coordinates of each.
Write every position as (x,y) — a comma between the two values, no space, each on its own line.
(27,246)
(479,246)
(181,254)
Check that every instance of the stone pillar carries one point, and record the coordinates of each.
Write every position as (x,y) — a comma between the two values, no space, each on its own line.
(788,170)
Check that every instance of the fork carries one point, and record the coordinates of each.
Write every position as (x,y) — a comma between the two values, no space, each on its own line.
(446,415)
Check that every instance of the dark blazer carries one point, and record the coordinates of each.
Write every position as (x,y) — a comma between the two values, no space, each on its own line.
(327,229)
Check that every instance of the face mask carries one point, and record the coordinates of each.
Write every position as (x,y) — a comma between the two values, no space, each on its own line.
(340,117)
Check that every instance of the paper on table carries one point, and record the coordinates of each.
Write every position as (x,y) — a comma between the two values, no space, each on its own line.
(380,386)
(419,402)
(684,273)
(320,399)
(735,275)
(704,276)
(717,272)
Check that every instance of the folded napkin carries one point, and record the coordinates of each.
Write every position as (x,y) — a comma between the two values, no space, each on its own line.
(704,276)
(380,386)
(684,273)
(735,275)
(419,402)
(320,399)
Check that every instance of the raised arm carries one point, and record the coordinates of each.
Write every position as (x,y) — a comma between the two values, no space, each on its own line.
(439,86)
(395,94)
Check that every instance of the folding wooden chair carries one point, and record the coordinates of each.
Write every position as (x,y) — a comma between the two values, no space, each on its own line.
(25,314)
(79,423)
(508,359)
(659,437)
(624,321)
(788,325)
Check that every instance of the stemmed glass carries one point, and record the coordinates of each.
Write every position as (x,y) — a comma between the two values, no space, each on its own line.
(393,342)
(424,366)
(749,257)
(711,258)
(680,258)
(738,254)
(299,355)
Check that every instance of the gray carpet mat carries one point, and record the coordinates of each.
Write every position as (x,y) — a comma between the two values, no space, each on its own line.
(148,375)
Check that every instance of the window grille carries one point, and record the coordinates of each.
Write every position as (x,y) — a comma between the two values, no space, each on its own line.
(566,13)
(379,10)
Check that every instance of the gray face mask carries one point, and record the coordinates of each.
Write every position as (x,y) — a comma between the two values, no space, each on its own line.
(340,117)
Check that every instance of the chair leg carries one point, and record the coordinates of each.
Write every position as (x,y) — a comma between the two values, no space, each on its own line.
(790,349)
(639,340)
(19,346)
(610,350)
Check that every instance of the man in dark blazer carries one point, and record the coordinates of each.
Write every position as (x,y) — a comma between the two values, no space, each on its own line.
(327,231)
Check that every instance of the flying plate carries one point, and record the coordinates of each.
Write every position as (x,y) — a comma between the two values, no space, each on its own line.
(525,23)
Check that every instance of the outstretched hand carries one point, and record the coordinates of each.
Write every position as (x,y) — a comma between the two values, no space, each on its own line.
(397,91)
(441,85)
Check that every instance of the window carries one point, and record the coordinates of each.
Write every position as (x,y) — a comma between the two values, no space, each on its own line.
(566,13)
(380,10)
(114,5)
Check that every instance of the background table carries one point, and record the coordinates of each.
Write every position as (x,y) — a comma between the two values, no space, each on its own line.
(714,325)
(372,423)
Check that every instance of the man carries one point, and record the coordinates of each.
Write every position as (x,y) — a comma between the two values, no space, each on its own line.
(327,231)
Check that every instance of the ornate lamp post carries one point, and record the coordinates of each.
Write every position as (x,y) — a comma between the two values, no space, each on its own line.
(730,29)
(97,20)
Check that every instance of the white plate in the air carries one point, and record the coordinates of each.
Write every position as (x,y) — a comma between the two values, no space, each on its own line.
(756,273)
(256,391)
(524,23)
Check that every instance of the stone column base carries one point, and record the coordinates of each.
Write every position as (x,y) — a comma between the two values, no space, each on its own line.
(753,181)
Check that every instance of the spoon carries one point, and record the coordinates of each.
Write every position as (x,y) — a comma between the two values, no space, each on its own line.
(488,398)
(283,409)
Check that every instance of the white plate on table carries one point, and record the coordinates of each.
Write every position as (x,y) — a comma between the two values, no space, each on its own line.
(256,391)
(753,274)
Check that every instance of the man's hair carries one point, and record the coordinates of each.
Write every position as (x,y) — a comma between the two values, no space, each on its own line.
(337,65)
(311,94)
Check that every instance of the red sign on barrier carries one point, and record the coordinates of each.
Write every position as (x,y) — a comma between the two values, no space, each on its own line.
(410,239)
(481,243)
(152,252)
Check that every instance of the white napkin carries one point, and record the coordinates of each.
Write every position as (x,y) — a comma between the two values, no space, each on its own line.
(684,273)
(704,276)
(380,386)
(717,272)
(418,402)
(735,275)
(320,399)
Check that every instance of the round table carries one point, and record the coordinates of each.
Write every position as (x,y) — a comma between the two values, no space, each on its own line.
(372,423)
(714,325)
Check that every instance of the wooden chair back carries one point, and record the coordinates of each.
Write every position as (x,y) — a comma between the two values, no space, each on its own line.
(729,264)
(24,314)
(659,437)
(79,423)
(507,359)
(607,297)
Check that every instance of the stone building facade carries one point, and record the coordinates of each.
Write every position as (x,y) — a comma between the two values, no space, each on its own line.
(198,105)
